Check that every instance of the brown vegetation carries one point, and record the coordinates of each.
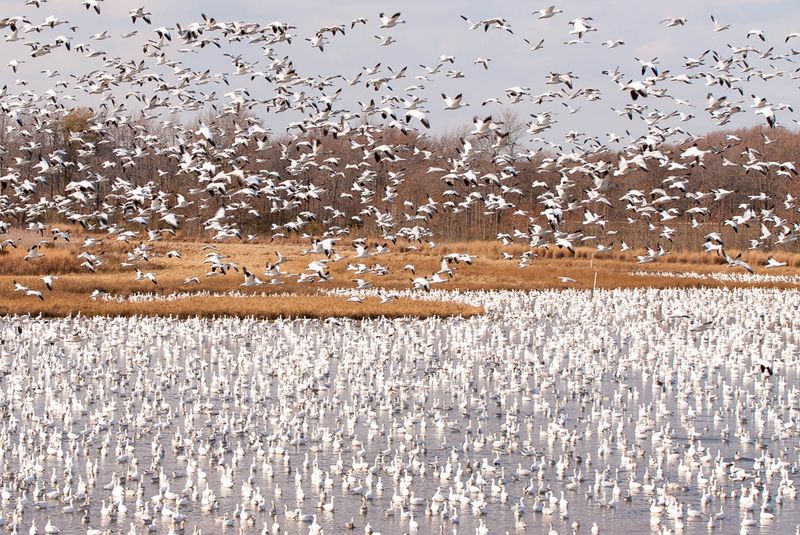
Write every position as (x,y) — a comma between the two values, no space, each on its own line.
(489,272)
(61,303)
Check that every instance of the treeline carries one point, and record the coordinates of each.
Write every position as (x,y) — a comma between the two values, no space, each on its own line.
(501,186)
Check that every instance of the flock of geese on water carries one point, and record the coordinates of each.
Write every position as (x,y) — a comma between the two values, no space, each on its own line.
(662,411)
(224,184)
(671,411)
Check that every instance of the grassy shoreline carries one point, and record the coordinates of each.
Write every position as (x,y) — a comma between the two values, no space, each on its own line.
(489,271)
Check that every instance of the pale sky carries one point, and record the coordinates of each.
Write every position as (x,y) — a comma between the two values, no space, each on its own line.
(435,28)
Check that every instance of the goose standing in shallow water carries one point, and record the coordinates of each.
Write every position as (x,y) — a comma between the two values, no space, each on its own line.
(395,461)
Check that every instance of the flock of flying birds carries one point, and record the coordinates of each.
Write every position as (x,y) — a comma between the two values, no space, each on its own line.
(111,182)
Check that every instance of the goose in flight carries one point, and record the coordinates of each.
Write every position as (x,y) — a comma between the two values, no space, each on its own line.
(561,78)
(636,89)
(320,269)
(390,21)
(768,114)
(437,278)
(497,23)
(444,268)
(324,246)
(250,279)
(386,298)
(362,251)
(204,131)
(318,41)
(482,125)
(565,243)
(472,25)
(772,263)
(48,281)
(421,283)
(535,47)
(483,62)
(674,21)
(738,262)
(140,13)
(419,115)
(652,65)
(97,294)
(27,291)
(14,64)
(362,284)
(453,103)
(163,33)
(280,259)
(580,26)
(35,293)
(92,4)
(460,257)
(719,27)
(547,12)
(386,41)
(33,253)
(150,276)
(19,287)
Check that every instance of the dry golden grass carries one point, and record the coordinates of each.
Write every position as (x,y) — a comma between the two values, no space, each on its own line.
(489,272)
(59,304)
(60,258)
(55,261)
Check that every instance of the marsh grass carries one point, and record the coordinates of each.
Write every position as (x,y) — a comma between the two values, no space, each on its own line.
(60,304)
(488,272)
